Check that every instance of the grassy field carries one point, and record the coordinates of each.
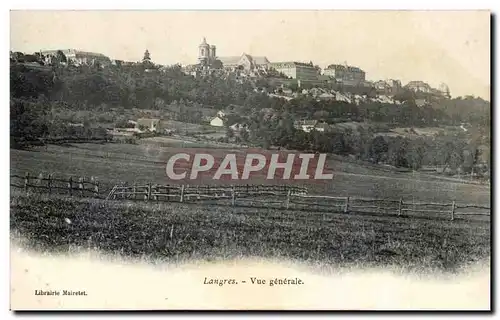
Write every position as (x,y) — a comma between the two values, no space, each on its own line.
(117,163)
(172,232)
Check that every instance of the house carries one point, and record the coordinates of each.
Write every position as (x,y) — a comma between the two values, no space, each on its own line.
(217,122)
(238,126)
(152,125)
(71,124)
(305,125)
(221,114)
(327,96)
(339,96)
(311,125)
(322,127)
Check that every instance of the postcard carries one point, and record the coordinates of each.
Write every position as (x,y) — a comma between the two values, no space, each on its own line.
(250,160)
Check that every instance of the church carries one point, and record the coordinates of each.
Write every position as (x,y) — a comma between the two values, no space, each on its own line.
(207,59)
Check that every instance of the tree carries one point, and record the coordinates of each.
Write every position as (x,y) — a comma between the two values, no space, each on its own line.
(396,154)
(415,154)
(61,57)
(294,86)
(28,120)
(244,135)
(229,133)
(456,159)
(378,148)
(338,144)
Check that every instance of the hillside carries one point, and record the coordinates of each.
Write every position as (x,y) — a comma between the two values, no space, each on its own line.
(44,102)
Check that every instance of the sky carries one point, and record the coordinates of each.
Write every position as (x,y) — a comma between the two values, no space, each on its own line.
(451,47)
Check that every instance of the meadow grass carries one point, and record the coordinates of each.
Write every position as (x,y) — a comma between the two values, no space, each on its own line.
(173,232)
(114,164)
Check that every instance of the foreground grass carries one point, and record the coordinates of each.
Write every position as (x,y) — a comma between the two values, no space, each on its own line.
(173,231)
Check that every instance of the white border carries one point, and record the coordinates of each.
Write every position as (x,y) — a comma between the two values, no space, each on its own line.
(493,5)
(257,4)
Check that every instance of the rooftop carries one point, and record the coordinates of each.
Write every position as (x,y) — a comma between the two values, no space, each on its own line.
(344,67)
(293,63)
(73,51)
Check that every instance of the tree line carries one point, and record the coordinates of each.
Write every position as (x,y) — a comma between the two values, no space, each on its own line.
(454,153)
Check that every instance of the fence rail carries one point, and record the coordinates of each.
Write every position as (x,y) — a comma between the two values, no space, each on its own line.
(188,192)
(287,196)
(81,186)
(284,196)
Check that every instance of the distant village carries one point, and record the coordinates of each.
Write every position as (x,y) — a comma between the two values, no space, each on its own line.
(291,79)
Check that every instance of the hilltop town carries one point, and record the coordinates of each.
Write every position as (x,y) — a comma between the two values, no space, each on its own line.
(250,101)
(339,82)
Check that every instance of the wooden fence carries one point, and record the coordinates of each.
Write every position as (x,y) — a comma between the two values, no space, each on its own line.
(184,193)
(284,196)
(80,186)
(389,206)
(290,197)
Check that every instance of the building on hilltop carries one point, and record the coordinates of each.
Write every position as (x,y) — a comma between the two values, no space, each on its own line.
(245,62)
(296,70)
(389,87)
(207,59)
(207,55)
(419,86)
(423,87)
(77,57)
(345,74)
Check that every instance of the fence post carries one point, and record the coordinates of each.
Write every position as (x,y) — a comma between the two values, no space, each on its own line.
(171,231)
(40,180)
(182,193)
(134,190)
(149,191)
(453,210)
(346,208)
(400,206)
(70,186)
(288,198)
(80,185)
(96,189)
(49,183)
(233,196)
(26,181)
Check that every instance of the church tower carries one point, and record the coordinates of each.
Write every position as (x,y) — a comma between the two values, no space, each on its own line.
(204,52)
(213,53)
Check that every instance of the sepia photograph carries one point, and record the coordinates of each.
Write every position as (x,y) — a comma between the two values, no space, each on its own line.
(250,160)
